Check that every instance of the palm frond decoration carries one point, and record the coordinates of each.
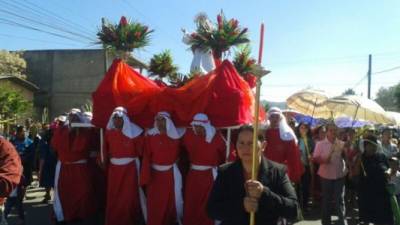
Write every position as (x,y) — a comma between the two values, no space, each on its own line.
(179,79)
(219,37)
(161,65)
(242,60)
(88,106)
(125,36)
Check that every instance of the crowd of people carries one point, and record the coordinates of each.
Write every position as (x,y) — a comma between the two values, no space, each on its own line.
(174,175)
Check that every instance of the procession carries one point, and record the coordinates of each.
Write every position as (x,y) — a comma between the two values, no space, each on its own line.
(100,137)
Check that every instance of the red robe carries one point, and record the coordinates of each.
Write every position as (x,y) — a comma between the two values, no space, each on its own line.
(75,186)
(160,150)
(199,183)
(10,169)
(123,206)
(285,152)
(98,175)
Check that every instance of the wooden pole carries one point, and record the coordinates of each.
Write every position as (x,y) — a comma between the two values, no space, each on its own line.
(254,168)
(228,144)
(102,145)
(260,50)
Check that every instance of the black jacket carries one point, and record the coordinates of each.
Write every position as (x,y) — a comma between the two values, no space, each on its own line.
(226,198)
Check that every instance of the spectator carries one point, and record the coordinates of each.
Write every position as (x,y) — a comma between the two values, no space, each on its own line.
(332,171)
(16,199)
(389,149)
(373,198)
(306,146)
(234,195)
(47,164)
(25,149)
(10,170)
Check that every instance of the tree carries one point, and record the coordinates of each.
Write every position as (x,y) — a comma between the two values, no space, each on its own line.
(12,104)
(349,91)
(11,63)
(397,95)
(389,98)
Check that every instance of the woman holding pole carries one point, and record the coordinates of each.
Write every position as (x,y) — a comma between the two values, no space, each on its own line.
(235,195)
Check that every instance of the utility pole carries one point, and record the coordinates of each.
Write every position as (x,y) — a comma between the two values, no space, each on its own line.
(103,21)
(369,75)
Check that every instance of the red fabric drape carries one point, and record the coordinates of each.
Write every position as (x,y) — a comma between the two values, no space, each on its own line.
(122,86)
(222,94)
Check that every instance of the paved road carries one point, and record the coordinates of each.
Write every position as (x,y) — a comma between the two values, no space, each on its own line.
(38,213)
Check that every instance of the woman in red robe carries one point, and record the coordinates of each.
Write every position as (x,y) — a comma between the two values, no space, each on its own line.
(98,175)
(122,149)
(74,195)
(282,145)
(160,173)
(206,151)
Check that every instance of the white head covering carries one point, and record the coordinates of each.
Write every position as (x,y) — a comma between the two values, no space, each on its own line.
(285,131)
(62,118)
(79,114)
(129,129)
(201,119)
(88,115)
(172,131)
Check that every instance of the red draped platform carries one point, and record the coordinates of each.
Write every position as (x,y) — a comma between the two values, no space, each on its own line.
(222,94)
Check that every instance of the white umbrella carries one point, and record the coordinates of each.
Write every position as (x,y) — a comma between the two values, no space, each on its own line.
(310,102)
(395,116)
(358,108)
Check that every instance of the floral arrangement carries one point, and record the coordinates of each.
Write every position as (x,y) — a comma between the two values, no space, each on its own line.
(242,61)
(219,37)
(124,36)
(161,65)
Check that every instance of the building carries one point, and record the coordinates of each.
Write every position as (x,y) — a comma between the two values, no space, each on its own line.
(67,78)
(27,90)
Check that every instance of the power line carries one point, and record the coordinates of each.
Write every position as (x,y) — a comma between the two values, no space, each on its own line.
(55,16)
(387,70)
(33,21)
(315,85)
(32,39)
(360,81)
(12,23)
(41,19)
(335,60)
(166,32)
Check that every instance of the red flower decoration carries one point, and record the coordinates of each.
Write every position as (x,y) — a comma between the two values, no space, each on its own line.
(137,34)
(123,21)
(219,19)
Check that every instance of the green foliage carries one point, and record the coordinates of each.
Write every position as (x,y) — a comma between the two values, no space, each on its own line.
(219,37)
(178,80)
(161,65)
(88,106)
(242,60)
(389,98)
(12,103)
(265,105)
(349,91)
(45,115)
(11,63)
(124,36)
(397,95)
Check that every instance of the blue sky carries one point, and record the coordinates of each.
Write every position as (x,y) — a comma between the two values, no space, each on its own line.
(313,43)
